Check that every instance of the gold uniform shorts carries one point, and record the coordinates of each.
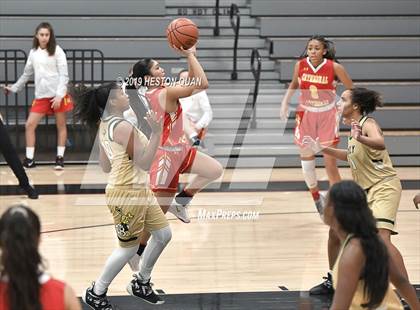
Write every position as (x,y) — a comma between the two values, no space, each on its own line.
(384,199)
(134,210)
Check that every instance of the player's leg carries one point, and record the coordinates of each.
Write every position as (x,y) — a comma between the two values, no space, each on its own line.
(155,222)
(332,169)
(128,218)
(60,120)
(306,127)
(164,200)
(206,169)
(394,253)
(31,123)
(12,159)
(328,136)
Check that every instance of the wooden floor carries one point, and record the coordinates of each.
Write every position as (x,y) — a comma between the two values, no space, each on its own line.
(284,246)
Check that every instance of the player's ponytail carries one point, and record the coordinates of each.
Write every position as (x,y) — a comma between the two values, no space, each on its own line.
(329,46)
(354,216)
(20,260)
(366,99)
(90,102)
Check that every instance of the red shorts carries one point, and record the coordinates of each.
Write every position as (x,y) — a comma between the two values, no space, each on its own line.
(322,125)
(43,105)
(168,164)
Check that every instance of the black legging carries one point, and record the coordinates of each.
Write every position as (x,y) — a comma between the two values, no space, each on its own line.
(11,157)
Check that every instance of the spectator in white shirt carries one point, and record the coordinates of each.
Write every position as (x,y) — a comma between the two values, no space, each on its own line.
(197,111)
(48,64)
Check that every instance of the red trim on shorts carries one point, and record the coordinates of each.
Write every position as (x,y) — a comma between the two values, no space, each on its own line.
(43,105)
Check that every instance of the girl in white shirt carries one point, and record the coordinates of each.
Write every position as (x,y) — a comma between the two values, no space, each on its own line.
(197,111)
(48,64)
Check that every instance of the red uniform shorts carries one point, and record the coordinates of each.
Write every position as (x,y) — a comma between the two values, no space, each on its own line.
(322,124)
(168,164)
(43,105)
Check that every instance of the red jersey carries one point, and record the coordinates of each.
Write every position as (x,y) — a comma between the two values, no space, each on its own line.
(317,84)
(51,294)
(173,127)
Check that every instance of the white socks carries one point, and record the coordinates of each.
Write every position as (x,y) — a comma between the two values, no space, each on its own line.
(30,151)
(60,151)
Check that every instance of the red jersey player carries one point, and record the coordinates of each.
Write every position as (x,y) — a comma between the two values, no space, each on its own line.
(175,156)
(316,115)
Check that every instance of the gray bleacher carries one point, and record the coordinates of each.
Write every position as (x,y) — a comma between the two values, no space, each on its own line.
(355,47)
(92,26)
(334,8)
(340,26)
(83,8)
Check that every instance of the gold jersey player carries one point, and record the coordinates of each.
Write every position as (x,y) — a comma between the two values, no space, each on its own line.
(371,165)
(126,154)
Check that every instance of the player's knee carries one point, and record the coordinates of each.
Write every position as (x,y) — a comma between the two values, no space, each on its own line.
(61,126)
(163,235)
(30,125)
(217,171)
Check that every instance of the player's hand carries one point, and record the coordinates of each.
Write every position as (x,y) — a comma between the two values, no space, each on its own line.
(356,130)
(314,145)
(284,112)
(416,200)
(184,52)
(55,102)
(153,121)
(7,90)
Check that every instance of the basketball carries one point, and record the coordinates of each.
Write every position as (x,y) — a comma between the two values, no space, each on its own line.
(182,32)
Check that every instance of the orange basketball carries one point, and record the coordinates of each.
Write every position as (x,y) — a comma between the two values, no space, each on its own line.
(182,32)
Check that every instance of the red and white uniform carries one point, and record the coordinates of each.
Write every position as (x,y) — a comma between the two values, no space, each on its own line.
(317,115)
(174,155)
(51,293)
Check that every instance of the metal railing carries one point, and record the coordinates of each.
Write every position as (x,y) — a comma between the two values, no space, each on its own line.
(10,59)
(234,11)
(216,30)
(256,72)
(81,56)
(82,64)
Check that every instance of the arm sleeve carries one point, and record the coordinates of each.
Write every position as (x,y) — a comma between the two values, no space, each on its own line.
(28,72)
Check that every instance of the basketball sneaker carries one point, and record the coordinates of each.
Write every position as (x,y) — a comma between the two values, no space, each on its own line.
(29,163)
(30,191)
(96,302)
(59,163)
(325,288)
(180,211)
(143,291)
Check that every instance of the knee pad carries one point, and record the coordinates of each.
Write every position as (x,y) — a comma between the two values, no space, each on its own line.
(309,173)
